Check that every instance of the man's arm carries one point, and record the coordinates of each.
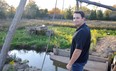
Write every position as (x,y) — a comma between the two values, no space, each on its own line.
(74,57)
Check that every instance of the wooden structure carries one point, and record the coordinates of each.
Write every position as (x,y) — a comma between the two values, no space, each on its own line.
(94,63)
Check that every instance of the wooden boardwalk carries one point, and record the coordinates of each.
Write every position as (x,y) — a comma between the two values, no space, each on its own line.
(92,65)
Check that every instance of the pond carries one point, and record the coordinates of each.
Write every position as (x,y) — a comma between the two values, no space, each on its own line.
(36,59)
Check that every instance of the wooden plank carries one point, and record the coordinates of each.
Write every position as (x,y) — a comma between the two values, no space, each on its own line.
(59,58)
(90,66)
(66,53)
(98,59)
(96,66)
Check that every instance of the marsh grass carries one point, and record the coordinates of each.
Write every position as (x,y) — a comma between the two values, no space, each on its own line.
(63,32)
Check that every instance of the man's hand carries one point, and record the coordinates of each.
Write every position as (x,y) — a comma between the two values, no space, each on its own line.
(68,67)
(74,57)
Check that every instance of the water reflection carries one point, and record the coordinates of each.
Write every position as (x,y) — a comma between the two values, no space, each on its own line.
(36,59)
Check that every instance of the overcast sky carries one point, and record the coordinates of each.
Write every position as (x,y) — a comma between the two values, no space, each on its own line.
(49,4)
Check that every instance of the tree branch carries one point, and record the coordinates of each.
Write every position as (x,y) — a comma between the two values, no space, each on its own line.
(98,4)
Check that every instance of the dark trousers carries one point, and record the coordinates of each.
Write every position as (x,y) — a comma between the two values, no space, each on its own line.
(78,66)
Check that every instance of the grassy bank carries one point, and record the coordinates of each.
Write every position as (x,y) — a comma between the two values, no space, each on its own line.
(62,38)
(22,38)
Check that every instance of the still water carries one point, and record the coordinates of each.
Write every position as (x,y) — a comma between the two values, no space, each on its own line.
(36,59)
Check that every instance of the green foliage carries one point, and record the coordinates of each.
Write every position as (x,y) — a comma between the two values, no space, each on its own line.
(42,13)
(68,13)
(85,10)
(94,38)
(3,9)
(11,68)
(107,14)
(94,35)
(93,15)
(32,11)
(2,14)
(23,38)
(11,12)
(62,37)
(99,15)
(56,10)
(2,37)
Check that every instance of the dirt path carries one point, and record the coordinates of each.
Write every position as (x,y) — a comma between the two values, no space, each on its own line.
(105,46)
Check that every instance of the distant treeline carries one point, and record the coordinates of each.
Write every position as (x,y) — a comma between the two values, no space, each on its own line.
(32,11)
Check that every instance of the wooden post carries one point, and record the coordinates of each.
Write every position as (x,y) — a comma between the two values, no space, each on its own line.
(9,36)
(77,5)
(54,11)
(62,9)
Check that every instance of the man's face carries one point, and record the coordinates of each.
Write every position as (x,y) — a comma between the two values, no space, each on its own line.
(77,19)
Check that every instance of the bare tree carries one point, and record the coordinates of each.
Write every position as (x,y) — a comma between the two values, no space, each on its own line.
(9,37)
(97,4)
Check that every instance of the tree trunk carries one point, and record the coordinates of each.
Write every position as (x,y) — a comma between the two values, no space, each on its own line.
(77,5)
(98,4)
(9,36)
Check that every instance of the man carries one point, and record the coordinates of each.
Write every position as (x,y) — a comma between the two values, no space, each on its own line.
(80,43)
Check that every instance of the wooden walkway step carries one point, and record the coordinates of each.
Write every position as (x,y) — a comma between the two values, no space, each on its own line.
(90,66)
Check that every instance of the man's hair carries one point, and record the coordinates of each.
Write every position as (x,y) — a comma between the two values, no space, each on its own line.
(81,13)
